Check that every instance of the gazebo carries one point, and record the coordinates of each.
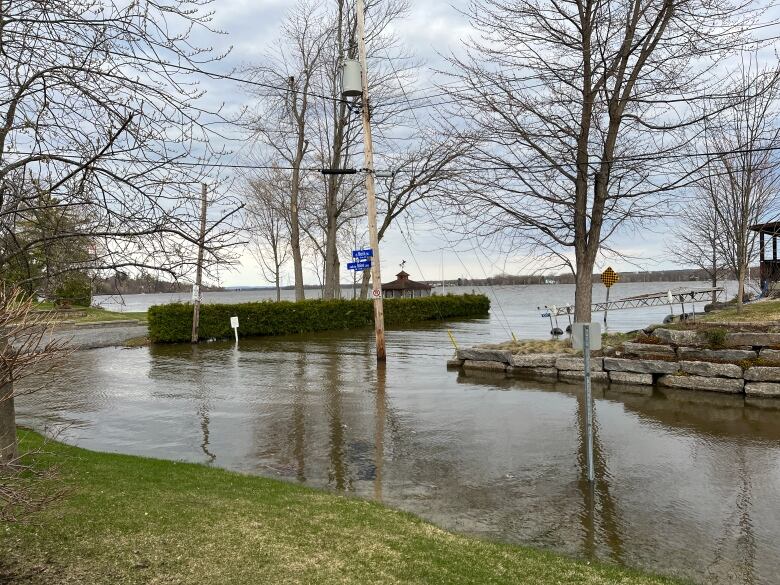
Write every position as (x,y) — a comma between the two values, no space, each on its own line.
(402,287)
(770,268)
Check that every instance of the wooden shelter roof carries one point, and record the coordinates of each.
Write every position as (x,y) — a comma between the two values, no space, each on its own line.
(402,282)
(771,228)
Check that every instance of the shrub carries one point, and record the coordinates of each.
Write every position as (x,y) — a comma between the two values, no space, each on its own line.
(74,289)
(716,338)
(173,323)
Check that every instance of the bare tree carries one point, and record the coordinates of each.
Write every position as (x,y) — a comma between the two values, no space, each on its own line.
(698,237)
(269,225)
(282,124)
(100,117)
(26,346)
(581,109)
(743,176)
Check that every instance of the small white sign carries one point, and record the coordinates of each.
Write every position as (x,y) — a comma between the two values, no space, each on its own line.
(376,293)
(577,336)
(234,322)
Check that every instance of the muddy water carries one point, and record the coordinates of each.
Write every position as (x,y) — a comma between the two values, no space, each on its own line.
(687,484)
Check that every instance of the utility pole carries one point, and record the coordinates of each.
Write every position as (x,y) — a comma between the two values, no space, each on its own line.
(199,269)
(376,278)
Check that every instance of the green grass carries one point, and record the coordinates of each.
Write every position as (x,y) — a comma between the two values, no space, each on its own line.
(135,520)
(759,311)
(94,314)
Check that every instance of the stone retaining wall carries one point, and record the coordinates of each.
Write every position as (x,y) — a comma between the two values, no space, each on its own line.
(678,360)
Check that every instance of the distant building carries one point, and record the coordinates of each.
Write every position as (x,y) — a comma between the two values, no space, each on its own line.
(402,287)
(768,234)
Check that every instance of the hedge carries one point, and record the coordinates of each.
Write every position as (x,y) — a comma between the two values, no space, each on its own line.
(172,323)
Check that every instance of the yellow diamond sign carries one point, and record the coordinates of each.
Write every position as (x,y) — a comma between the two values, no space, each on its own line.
(609,277)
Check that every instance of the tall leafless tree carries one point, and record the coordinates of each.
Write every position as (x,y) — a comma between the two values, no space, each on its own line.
(581,109)
(281,124)
(742,175)
(269,224)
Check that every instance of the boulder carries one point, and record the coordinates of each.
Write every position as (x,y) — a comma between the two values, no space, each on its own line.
(763,374)
(772,355)
(762,389)
(726,385)
(754,339)
(485,355)
(640,366)
(642,349)
(484,365)
(574,375)
(695,353)
(551,373)
(711,369)
(534,360)
(677,336)
(630,378)
(578,363)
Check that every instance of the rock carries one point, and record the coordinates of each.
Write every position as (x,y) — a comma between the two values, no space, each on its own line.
(711,369)
(762,389)
(534,360)
(641,349)
(695,353)
(630,378)
(763,374)
(677,336)
(635,389)
(485,355)
(578,363)
(727,385)
(551,373)
(772,355)
(754,339)
(640,366)
(484,365)
(454,363)
(573,375)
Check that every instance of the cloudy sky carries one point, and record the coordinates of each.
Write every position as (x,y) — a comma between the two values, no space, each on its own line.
(432,28)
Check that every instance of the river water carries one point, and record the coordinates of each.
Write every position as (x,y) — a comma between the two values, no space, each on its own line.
(688,484)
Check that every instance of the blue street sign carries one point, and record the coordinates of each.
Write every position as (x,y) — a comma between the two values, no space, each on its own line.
(363,254)
(364,265)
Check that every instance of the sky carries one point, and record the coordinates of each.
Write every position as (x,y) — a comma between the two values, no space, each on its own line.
(431,29)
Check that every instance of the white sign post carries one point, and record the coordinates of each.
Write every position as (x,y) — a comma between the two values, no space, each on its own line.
(587,336)
(234,325)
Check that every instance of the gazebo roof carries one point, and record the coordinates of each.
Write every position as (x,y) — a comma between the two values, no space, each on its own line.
(402,282)
(771,228)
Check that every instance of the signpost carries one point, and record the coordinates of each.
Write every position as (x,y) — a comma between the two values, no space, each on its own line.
(608,278)
(362,254)
(234,325)
(359,266)
(587,336)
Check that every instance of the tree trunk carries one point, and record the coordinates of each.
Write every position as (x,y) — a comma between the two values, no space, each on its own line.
(278,286)
(295,237)
(8,445)
(740,285)
(331,253)
(583,293)
(365,284)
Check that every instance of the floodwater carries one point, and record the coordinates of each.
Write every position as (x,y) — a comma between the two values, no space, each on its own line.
(688,484)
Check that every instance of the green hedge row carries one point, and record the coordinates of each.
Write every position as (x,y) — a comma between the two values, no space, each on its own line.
(173,323)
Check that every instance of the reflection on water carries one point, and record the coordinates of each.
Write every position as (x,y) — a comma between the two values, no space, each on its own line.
(686,484)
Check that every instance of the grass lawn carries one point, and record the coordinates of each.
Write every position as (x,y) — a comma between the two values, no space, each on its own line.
(94,314)
(758,311)
(134,520)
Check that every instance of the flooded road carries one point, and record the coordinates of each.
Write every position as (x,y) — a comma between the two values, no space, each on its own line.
(688,484)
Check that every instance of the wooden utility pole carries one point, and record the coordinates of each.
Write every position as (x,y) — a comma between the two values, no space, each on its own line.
(199,269)
(376,278)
